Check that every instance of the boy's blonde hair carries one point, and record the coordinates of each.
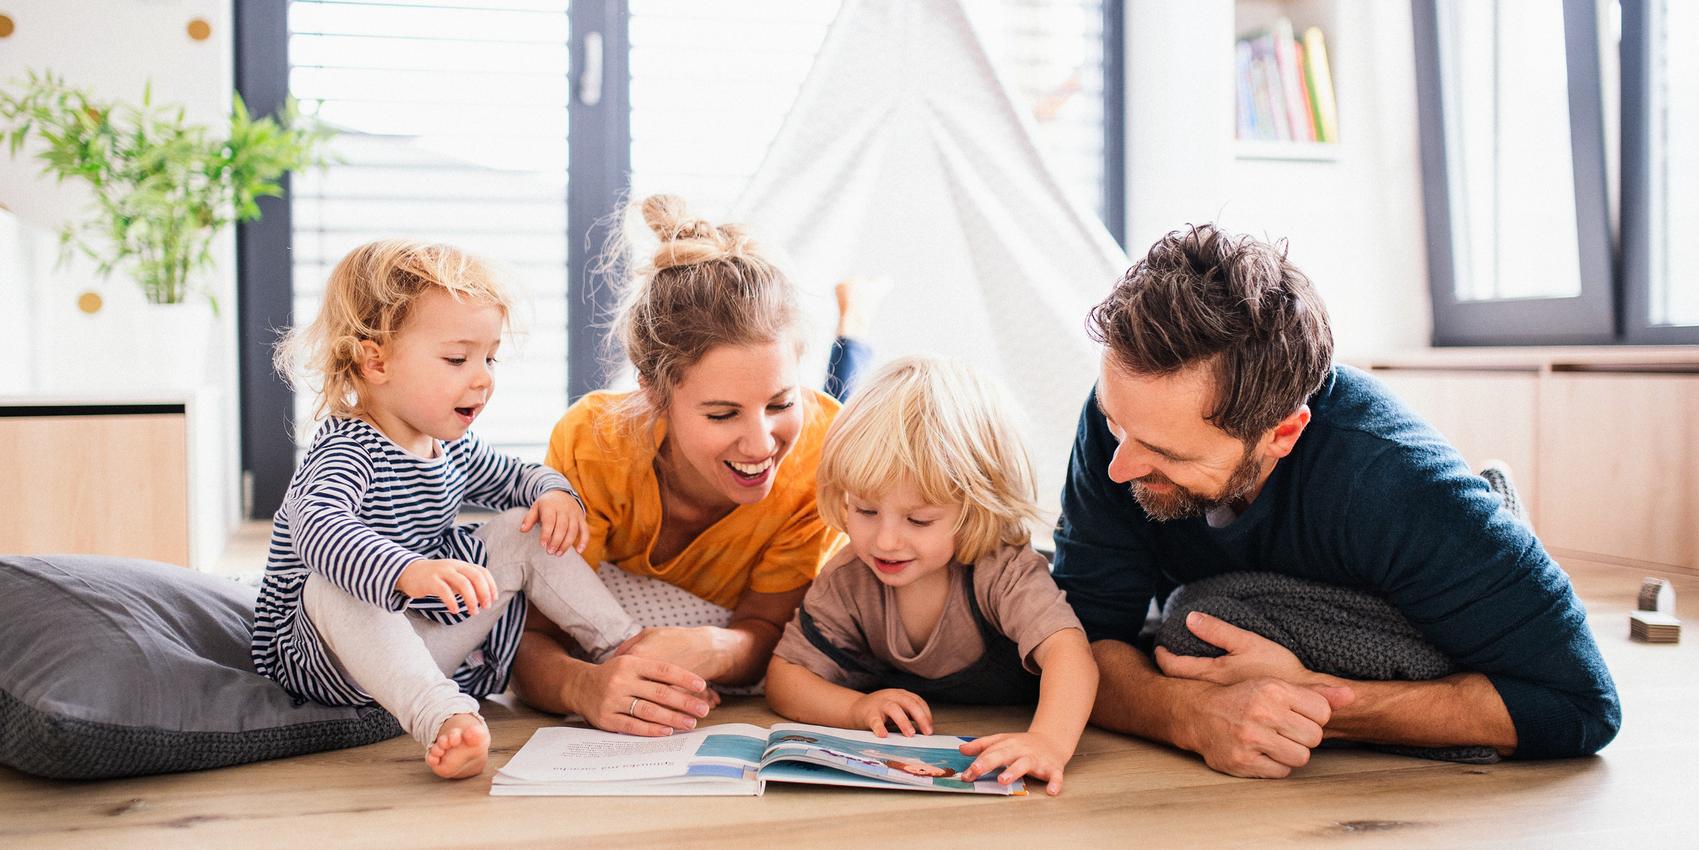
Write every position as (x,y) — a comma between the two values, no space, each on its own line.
(938,424)
(705,286)
(369,296)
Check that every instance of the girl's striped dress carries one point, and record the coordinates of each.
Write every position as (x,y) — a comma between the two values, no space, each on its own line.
(360,509)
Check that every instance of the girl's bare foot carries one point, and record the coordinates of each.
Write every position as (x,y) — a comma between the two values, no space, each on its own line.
(461,748)
(858,299)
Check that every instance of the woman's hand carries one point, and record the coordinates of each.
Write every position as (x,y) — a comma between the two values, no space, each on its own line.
(903,708)
(701,650)
(639,696)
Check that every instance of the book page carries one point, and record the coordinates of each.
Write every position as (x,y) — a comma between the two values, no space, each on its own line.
(932,761)
(558,754)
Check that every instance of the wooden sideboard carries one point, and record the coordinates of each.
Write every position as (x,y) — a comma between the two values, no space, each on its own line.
(105,475)
(1604,442)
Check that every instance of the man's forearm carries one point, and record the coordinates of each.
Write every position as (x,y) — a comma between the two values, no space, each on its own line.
(1134,697)
(1458,710)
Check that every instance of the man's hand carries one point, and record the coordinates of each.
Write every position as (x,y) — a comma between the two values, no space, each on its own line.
(1249,656)
(562,520)
(1260,728)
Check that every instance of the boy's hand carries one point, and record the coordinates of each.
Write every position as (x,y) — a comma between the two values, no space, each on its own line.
(562,520)
(904,708)
(447,578)
(1023,753)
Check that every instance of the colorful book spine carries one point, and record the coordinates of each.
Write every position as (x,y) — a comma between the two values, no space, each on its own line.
(1245,112)
(1318,79)
(1304,91)
(1265,79)
(1290,77)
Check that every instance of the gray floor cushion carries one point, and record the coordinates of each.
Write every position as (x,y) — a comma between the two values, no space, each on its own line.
(1334,630)
(118,667)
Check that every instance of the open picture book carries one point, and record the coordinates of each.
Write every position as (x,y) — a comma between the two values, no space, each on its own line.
(734,759)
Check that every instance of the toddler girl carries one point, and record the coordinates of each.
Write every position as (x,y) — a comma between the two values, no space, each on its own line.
(372,592)
(938,595)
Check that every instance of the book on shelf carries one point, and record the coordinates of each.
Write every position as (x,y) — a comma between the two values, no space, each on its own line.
(735,759)
(1285,86)
(1319,79)
(1291,77)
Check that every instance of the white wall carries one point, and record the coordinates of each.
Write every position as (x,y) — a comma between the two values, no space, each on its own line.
(116,48)
(1354,225)
(119,49)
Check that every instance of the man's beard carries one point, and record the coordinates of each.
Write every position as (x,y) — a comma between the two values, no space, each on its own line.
(1180,503)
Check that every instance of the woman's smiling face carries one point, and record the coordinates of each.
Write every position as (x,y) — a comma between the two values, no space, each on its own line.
(732,419)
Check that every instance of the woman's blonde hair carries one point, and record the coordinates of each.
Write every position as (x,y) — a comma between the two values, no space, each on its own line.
(705,286)
(939,425)
(369,296)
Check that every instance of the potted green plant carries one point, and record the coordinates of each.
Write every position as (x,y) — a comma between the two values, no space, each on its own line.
(163,188)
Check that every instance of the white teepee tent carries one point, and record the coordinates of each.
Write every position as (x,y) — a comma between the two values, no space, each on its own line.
(905,155)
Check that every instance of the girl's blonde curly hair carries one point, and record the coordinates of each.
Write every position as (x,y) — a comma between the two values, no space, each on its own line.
(369,296)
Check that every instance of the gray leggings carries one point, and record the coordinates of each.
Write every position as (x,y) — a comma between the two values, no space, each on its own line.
(404,662)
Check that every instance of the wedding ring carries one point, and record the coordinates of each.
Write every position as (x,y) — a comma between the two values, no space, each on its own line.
(633,709)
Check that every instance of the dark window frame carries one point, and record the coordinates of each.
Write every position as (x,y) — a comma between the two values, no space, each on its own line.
(1585,319)
(264,275)
(1637,183)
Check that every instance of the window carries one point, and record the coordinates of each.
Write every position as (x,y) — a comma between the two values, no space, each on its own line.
(453,126)
(1660,170)
(1502,65)
(1514,171)
(1503,188)
(462,123)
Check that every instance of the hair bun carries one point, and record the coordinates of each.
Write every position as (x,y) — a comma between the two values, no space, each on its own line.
(687,240)
(669,216)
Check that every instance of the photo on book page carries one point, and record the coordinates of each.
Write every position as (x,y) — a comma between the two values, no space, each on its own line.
(931,761)
(734,759)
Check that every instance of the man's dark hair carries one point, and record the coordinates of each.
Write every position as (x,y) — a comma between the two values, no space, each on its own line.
(1202,295)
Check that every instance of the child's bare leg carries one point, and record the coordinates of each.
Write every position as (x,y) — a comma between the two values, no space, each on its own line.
(389,658)
(564,587)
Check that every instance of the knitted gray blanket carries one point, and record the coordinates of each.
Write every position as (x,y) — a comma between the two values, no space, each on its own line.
(1332,630)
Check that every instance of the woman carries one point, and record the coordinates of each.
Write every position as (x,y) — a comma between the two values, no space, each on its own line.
(702,478)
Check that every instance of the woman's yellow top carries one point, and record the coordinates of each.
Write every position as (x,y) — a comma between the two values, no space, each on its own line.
(771,546)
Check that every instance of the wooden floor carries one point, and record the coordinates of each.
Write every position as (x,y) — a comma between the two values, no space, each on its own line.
(1120,791)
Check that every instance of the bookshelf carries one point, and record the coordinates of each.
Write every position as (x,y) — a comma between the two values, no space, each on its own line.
(1295,151)
(1285,100)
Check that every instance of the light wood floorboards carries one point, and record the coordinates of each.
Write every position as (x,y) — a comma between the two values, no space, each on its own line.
(1120,791)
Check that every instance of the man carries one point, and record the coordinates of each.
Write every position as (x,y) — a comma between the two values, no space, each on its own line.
(1247,450)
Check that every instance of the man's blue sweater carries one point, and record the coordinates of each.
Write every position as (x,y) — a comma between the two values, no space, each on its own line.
(1371,498)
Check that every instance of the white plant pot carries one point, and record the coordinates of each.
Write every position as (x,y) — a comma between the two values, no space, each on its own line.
(172,344)
(126,347)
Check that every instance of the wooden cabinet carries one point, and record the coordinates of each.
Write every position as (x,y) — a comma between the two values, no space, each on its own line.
(1604,443)
(1620,455)
(100,476)
(1486,415)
